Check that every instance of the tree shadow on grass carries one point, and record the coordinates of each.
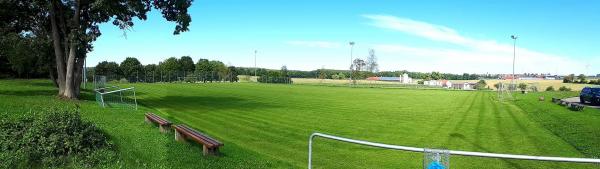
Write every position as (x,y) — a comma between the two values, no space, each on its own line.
(37,92)
(204,103)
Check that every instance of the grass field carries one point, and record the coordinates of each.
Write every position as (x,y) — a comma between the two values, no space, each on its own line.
(267,126)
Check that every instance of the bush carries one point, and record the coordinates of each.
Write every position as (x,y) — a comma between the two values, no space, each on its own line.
(50,139)
(564,89)
(522,86)
(550,88)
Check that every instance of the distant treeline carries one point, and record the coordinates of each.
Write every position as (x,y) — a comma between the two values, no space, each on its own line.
(184,68)
(344,74)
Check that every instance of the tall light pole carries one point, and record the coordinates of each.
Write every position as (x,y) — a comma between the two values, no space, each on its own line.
(255,64)
(351,47)
(514,37)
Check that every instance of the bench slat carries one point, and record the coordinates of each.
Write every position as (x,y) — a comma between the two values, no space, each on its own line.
(202,135)
(198,136)
(157,119)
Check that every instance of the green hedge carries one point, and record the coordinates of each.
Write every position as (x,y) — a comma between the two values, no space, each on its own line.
(52,139)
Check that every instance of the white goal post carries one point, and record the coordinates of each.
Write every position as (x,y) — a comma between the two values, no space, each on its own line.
(101,95)
(452,152)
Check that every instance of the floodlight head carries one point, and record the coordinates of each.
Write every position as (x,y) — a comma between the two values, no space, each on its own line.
(351,43)
(514,36)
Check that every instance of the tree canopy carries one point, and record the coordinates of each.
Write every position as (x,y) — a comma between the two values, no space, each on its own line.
(71,26)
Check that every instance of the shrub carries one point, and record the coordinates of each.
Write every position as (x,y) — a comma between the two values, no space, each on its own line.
(50,139)
(522,86)
(497,85)
(533,88)
(480,85)
(564,88)
(550,88)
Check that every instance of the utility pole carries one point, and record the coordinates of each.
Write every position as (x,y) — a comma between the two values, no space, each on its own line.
(512,81)
(255,65)
(351,48)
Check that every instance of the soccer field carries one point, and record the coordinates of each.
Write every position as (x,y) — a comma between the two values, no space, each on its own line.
(268,125)
(276,120)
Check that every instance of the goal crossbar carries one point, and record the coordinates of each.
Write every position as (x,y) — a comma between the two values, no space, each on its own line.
(452,152)
(114,91)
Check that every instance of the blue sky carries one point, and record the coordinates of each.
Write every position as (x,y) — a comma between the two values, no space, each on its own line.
(448,36)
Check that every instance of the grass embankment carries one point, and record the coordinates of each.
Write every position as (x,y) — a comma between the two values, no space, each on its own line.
(580,129)
(137,144)
(276,120)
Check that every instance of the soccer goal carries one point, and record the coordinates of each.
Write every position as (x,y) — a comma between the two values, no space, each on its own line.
(440,159)
(113,96)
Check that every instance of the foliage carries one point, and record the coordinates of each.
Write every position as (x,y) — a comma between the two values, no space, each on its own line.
(522,86)
(72,26)
(581,78)
(497,85)
(569,79)
(26,56)
(372,65)
(481,84)
(187,64)
(564,88)
(109,69)
(132,69)
(550,88)
(52,138)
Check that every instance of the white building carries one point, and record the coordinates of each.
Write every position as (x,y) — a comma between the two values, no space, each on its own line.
(405,79)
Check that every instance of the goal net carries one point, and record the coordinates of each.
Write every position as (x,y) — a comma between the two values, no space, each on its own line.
(113,96)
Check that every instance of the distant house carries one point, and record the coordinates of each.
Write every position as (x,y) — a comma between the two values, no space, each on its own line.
(464,86)
(432,83)
(446,84)
(405,79)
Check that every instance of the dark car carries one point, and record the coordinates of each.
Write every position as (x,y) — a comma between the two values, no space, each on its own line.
(590,94)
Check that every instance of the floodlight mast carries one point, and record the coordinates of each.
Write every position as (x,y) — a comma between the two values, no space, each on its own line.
(255,64)
(512,81)
(351,47)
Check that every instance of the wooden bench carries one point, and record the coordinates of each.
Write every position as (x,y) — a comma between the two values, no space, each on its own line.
(210,146)
(163,124)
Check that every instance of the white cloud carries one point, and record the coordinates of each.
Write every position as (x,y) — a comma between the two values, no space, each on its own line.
(476,56)
(316,44)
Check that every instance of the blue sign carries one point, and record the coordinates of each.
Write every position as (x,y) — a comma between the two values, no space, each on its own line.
(435,165)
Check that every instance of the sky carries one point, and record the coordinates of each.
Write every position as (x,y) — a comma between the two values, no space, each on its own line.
(454,36)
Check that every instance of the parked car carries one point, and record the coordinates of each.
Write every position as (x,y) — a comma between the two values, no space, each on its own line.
(590,94)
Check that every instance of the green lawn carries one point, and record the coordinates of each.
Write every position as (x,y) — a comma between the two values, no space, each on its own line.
(267,126)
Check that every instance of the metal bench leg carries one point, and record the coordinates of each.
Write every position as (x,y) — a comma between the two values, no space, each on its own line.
(178,136)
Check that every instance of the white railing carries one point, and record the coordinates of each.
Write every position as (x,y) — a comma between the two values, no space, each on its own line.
(452,152)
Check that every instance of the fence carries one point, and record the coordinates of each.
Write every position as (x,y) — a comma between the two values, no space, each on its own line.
(451,152)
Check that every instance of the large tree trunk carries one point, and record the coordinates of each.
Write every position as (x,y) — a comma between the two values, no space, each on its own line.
(58,49)
(66,63)
(69,85)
